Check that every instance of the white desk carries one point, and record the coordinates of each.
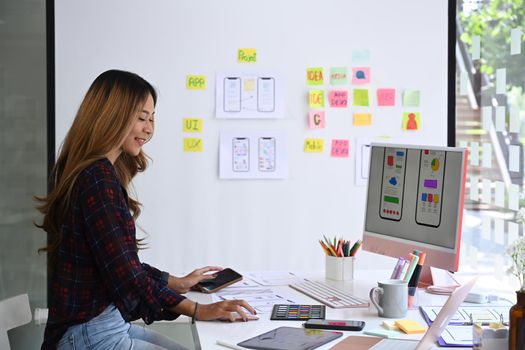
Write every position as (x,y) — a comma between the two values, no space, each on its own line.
(210,332)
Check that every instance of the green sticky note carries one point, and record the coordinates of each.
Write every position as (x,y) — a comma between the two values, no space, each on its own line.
(314,76)
(338,75)
(361,97)
(411,98)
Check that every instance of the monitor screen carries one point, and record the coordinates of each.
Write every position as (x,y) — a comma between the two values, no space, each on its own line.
(415,201)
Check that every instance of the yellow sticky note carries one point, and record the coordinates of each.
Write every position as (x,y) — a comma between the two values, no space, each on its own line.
(192,144)
(247,55)
(316,98)
(249,85)
(192,125)
(411,121)
(410,326)
(314,145)
(361,119)
(314,76)
(196,82)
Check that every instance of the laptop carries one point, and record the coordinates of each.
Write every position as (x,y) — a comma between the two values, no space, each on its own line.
(429,339)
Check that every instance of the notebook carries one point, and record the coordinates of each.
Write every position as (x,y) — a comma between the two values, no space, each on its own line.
(429,339)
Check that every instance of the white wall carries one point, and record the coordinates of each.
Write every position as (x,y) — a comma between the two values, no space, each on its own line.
(193,218)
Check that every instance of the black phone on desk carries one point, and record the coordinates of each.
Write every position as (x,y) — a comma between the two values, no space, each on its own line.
(340,325)
(223,278)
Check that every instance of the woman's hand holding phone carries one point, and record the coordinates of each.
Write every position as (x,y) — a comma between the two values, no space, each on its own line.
(182,285)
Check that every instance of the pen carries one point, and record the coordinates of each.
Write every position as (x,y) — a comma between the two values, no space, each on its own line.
(396,268)
(413,262)
(228,345)
(414,280)
(402,269)
(356,247)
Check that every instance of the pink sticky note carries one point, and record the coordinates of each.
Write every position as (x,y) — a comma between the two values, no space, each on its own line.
(386,97)
(316,119)
(340,148)
(338,98)
(360,75)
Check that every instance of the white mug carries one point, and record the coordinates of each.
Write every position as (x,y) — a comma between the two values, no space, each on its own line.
(390,298)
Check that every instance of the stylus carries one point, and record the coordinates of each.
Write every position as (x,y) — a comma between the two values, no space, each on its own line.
(228,345)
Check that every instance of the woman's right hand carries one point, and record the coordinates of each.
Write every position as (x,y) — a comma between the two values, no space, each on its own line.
(224,310)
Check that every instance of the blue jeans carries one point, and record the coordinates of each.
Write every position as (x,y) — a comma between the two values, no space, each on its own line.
(109,331)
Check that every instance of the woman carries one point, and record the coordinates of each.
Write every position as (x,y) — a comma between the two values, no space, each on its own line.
(97,282)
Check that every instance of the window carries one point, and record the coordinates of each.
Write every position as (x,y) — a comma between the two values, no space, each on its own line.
(490,112)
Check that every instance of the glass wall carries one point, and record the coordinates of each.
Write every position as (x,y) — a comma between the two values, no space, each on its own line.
(23,157)
(490,108)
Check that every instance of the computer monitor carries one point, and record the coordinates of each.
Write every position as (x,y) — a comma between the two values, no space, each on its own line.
(415,201)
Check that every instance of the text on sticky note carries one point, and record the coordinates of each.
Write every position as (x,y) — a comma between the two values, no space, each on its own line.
(340,148)
(316,98)
(386,97)
(247,55)
(338,75)
(314,145)
(196,82)
(411,121)
(338,98)
(361,75)
(361,97)
(316,119)
(314,76)
(192,125)
(192,144)
(362,119)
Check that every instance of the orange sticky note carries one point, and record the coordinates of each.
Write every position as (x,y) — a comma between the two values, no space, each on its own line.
(361,119)
(410,326)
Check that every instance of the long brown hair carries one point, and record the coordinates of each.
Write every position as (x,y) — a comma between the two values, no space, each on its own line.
(104,119)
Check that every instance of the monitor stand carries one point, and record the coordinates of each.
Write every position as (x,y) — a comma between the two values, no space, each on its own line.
(437,280)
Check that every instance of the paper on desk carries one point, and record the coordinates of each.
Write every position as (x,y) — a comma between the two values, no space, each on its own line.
(274,278)
(479,313)
(457,335)
(261,299)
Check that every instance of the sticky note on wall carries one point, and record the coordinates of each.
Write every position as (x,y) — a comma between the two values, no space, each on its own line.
(196,82)
(247,55)
(411,98)
(360,75)
(386,97)
(314,76)
(316,98)
(313,145)
(338,75)
(192,144)
(340,148)
(338,98)
(316,119)
(361,97)
(411,121)
(362,119)
(192,125)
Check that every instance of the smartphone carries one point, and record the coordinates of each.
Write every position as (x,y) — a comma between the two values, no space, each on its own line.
(340,325)
(223,278)
(265,94)
(241,154)
(267,154)
(232,94)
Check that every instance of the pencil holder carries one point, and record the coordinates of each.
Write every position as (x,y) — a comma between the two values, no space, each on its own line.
(340,269)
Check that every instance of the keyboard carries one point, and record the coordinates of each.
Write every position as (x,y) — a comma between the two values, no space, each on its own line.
(329,295)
